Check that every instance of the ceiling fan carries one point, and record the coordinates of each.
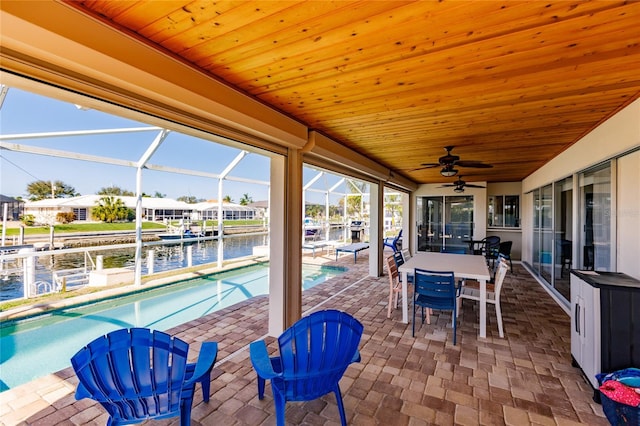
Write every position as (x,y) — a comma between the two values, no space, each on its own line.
(459,185)
(449,161)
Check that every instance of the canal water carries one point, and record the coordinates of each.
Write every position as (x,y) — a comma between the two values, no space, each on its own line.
(166,257)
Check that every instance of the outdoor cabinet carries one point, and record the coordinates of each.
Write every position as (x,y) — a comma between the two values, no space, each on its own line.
(605,323)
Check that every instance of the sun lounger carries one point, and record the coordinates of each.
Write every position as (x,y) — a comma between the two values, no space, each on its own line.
(352,248)
(314,245)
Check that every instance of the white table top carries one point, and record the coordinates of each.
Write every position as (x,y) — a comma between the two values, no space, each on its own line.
(462,265)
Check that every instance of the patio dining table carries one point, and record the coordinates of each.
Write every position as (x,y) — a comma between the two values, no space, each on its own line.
(464,266)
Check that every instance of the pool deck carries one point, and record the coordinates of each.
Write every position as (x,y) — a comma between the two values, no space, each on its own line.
(525,378)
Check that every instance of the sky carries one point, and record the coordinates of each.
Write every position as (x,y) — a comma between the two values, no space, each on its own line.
(26,113)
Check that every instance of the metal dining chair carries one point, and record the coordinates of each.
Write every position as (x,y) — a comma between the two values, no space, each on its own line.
(505,250)
(491,248)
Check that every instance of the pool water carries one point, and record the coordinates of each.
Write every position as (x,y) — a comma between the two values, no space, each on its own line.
(42,345)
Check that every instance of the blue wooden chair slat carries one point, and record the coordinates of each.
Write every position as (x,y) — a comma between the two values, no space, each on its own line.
(314,354)
(138,374)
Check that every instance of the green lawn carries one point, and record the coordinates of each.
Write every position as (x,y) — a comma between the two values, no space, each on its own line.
(84,227)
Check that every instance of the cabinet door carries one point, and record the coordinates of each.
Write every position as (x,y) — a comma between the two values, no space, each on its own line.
(577,322)
(591,349)
(585,328)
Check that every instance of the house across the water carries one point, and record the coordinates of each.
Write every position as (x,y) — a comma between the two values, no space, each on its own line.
(153,209)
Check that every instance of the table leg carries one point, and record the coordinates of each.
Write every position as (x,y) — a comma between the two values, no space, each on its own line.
(483,308)
(405,298)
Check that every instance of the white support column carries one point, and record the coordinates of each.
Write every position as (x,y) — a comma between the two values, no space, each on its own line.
(223,175)
(331,190)
(285,244)
(327,230)
(408,231)
(5,209)
(376,218)
(220,225)
(137,277)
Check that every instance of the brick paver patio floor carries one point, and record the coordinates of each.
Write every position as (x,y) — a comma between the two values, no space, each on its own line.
(525,378)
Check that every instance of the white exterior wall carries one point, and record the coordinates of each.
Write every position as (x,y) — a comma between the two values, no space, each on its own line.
(619,134)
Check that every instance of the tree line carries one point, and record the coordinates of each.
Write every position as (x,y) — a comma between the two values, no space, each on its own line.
(109,208)
(43,189)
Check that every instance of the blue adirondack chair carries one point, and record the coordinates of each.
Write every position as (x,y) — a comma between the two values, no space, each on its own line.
(392,242)
(139,374)
(314,354)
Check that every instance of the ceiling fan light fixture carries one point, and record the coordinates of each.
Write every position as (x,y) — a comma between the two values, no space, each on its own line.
(458,189)
(448,171)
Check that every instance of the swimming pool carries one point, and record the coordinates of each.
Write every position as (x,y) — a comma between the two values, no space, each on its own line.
(42,345)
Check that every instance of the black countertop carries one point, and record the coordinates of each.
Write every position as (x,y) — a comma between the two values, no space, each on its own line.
(602,278)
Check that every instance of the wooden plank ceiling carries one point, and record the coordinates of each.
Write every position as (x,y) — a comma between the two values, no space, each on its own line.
(508,83)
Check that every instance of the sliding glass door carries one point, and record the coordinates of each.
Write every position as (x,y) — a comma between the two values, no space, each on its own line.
(595,205)
(543,232)
(444,222)
(563,219)
(546,232)
(430,223)
(559,244)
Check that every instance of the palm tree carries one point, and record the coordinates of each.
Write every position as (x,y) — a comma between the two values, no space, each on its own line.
(246,199)
(110,209)
(393,206)
(227,199)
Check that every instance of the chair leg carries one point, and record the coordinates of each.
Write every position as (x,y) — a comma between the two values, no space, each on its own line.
(206,387)
(455,325)
(343,417)
(429,312)
(390,301)
(413,329)
(260,387)
(499,318)
(185,411)
(279,402)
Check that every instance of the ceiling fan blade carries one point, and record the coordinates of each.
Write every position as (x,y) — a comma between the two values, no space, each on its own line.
(473,186)
(421,168)
(449,185)
(429,165)
(476,164)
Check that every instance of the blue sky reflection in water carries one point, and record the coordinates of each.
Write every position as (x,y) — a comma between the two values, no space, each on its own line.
(34,348)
